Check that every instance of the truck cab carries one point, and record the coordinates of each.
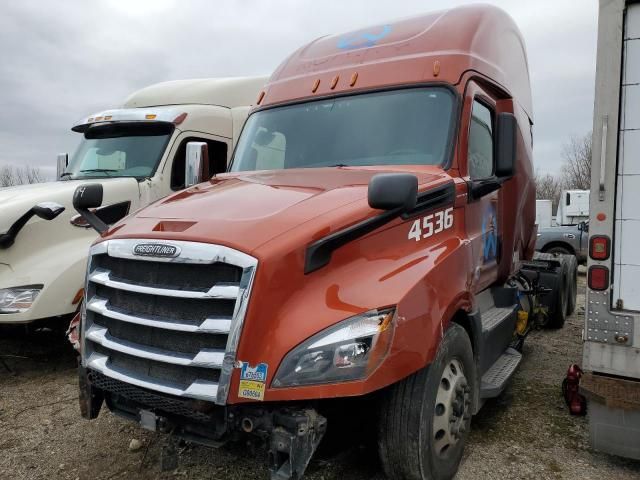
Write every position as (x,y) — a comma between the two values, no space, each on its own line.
(137,153)
(379,210)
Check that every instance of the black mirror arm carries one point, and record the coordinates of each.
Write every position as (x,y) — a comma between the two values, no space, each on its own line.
(480,188)
(93,220)
(9,237)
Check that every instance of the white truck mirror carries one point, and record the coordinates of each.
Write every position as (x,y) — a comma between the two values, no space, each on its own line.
(62,162)
(197,162)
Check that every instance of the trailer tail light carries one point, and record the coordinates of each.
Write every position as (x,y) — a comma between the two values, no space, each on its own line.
(598,278)
(599,247)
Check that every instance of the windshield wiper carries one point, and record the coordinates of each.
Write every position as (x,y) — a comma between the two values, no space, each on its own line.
(65,174)
(98,170)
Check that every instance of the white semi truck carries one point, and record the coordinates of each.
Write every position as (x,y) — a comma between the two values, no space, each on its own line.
(611,361)
(138,153)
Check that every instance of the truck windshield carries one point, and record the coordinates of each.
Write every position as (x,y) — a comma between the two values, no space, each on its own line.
(120,150)
(400,127)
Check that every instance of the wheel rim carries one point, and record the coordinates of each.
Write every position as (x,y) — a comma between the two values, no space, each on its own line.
(452,408)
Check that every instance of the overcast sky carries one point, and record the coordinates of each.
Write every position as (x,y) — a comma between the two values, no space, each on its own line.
(63,60)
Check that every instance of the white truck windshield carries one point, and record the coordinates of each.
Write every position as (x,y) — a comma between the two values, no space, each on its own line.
(120,150)
(400,127)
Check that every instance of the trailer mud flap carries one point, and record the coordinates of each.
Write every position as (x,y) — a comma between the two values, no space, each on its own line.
(294,439)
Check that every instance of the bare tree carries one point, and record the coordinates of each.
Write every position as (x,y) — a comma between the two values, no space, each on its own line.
(548,187)
(10,175)
(576,170)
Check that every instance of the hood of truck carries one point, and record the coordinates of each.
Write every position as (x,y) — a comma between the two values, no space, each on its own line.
(14,201)
(247,210)
(51,253)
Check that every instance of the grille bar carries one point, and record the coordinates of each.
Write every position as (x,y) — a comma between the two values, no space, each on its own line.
(200,389)
(209,325)
(204,358)
(103,277)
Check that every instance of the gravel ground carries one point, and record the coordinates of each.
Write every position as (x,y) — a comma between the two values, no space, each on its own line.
(526,433)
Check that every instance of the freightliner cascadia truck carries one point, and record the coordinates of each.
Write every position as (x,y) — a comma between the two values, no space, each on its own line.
(374,253)
(138,154)
(611,360)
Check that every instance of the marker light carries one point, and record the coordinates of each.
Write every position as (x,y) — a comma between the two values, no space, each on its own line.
(316,84)
(350,350)
(150,116)
(599,247)
(180,118)
(598,278)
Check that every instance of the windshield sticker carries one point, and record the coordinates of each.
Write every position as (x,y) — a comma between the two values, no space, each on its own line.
(253,381)
(363,39)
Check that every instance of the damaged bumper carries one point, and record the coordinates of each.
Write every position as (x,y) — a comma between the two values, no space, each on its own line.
(292,432)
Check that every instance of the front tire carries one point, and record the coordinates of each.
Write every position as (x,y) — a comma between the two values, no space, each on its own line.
(425,418)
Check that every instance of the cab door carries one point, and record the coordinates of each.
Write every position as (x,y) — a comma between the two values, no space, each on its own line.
(477,149)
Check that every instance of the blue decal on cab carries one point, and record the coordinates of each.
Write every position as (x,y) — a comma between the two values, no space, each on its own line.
(490,234)
(257,373)
(364,39)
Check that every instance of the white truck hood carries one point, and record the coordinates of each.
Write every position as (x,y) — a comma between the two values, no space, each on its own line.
(15,201)
(52,253)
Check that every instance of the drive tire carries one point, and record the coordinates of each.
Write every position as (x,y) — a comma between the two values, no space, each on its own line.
(413,409)
(572,286)
(560,306)
(558,251)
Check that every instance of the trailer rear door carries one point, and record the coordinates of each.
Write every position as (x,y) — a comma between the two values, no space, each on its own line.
(626,285)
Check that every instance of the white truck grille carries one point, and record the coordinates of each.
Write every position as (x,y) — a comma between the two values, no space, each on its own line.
(169,324)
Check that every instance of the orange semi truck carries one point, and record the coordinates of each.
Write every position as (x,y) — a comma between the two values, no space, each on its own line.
(372,240)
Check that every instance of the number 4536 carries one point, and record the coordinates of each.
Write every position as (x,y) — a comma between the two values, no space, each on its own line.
(431,224)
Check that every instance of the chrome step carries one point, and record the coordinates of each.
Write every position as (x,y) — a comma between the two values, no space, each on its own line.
(495,379)
(495,315)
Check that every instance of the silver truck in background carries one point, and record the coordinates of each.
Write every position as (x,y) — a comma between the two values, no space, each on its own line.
(138,153)
(568,240)
(611,335)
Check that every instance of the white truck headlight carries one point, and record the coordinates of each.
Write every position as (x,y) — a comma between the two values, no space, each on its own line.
(18,299)
(350,350)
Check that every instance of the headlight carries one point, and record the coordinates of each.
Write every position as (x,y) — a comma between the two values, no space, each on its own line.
(18,299)
(350,350)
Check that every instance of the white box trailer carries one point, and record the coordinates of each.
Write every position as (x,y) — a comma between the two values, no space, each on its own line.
(544,213)
(573,207)
(611,358)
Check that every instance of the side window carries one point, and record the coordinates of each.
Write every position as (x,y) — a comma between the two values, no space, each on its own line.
(217,160)
(480,154)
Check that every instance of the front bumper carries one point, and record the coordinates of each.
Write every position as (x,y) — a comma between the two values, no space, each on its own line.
(293,432)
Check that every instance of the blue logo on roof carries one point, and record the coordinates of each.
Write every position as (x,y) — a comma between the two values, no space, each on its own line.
(364,39)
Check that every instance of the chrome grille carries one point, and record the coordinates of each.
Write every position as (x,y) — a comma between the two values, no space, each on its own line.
(167,324)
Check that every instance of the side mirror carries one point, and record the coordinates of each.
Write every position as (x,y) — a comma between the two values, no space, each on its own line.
(44,210)
(48,210)
(390,191)
(196,164)
(86,197)
(61,164)
(506,145)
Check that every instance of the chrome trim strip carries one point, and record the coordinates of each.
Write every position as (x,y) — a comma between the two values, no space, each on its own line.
(200,389)
(204,358)
(190,252)
(103,277)
(239,314)
(209,325)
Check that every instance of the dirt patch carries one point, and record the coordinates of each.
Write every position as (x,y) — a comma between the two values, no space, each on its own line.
(526,433)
